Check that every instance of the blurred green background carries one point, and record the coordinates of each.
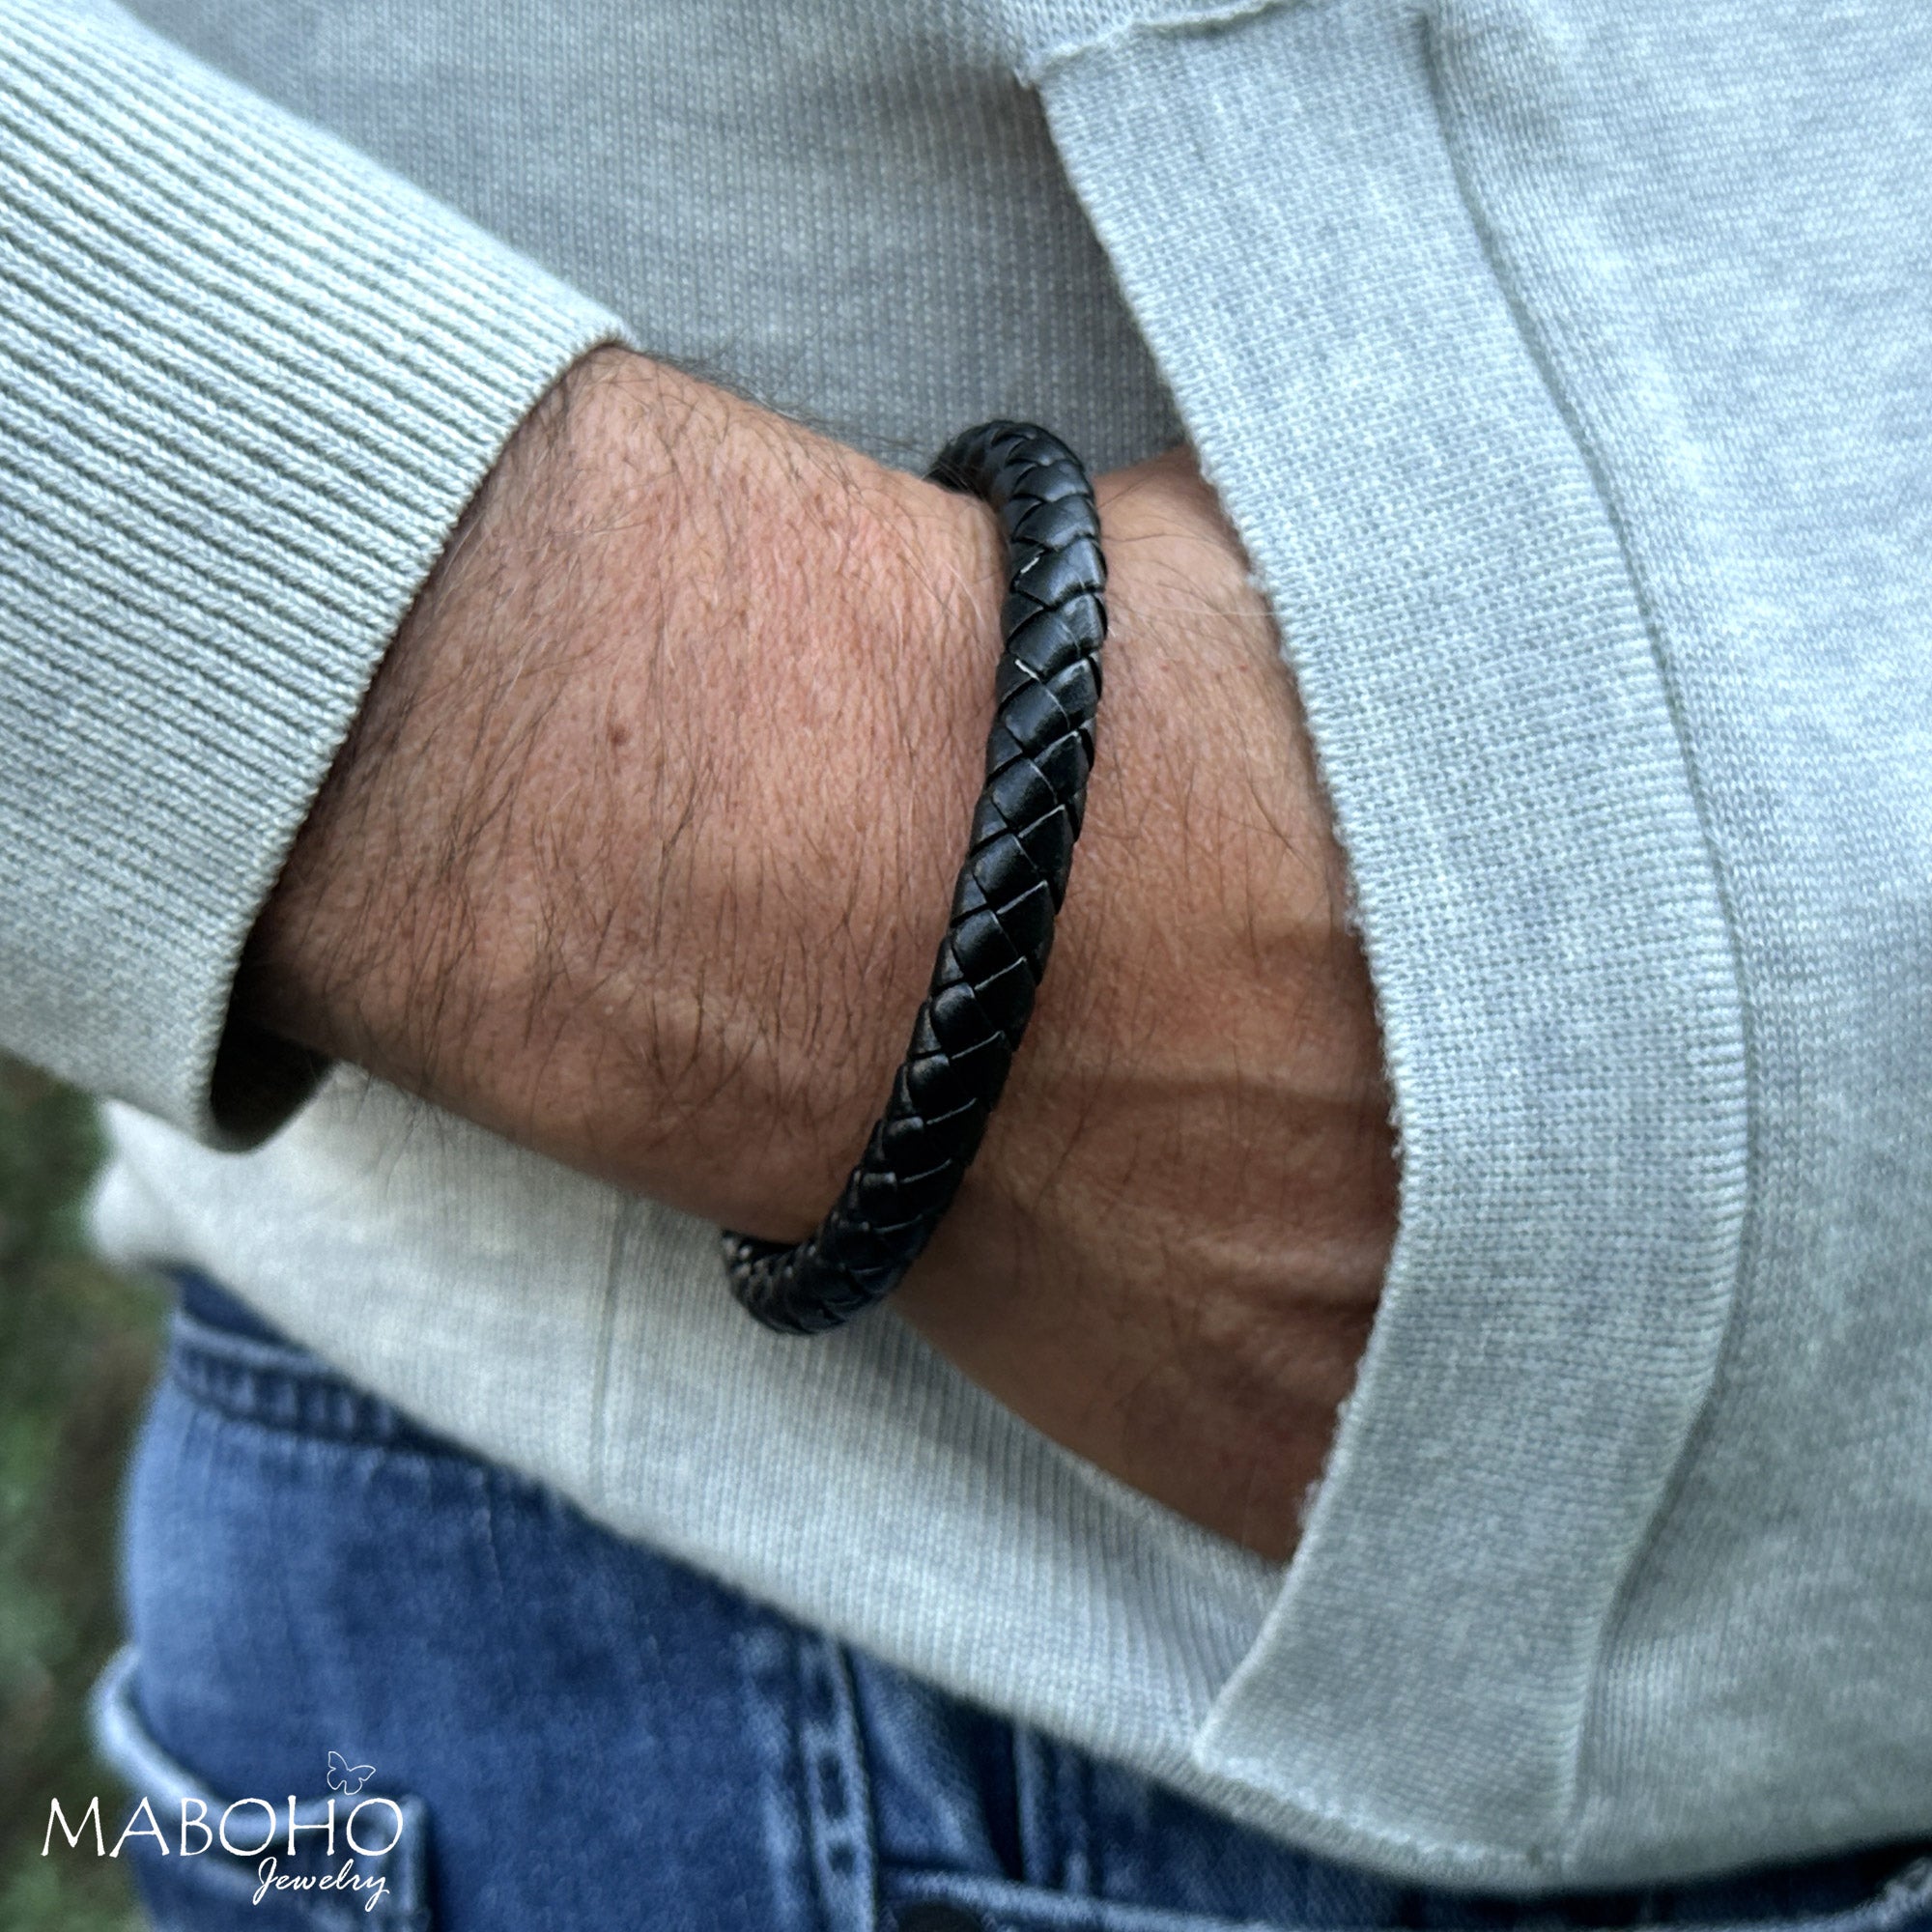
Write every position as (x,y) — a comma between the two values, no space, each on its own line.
(77,1347)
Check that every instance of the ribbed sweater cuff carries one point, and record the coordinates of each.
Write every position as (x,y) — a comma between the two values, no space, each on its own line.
(247,383)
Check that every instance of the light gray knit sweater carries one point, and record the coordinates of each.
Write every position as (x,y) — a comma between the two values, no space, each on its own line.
(1566,366)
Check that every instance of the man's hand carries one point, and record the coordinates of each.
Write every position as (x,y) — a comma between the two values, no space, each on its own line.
(642,844)
(1168,1253)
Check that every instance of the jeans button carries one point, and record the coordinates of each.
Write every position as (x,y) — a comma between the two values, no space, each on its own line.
(934,1916)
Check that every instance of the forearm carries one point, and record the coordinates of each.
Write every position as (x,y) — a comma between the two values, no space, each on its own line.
(643,841)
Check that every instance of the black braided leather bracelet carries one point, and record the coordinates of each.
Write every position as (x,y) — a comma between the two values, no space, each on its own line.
(1038,756)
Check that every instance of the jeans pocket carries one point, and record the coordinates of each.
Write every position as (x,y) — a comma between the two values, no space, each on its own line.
(213,1862)
(936,1901)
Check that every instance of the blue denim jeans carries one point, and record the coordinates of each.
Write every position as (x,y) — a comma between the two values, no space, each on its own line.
(481,1713)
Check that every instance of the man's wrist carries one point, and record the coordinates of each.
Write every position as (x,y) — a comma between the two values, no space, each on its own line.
(634,848)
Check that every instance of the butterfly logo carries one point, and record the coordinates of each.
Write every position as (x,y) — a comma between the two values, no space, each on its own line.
(348,1777)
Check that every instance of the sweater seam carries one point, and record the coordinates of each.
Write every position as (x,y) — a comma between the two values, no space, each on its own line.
(1544,359)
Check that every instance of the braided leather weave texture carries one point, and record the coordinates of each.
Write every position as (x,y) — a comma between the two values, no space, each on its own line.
(1038,754)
